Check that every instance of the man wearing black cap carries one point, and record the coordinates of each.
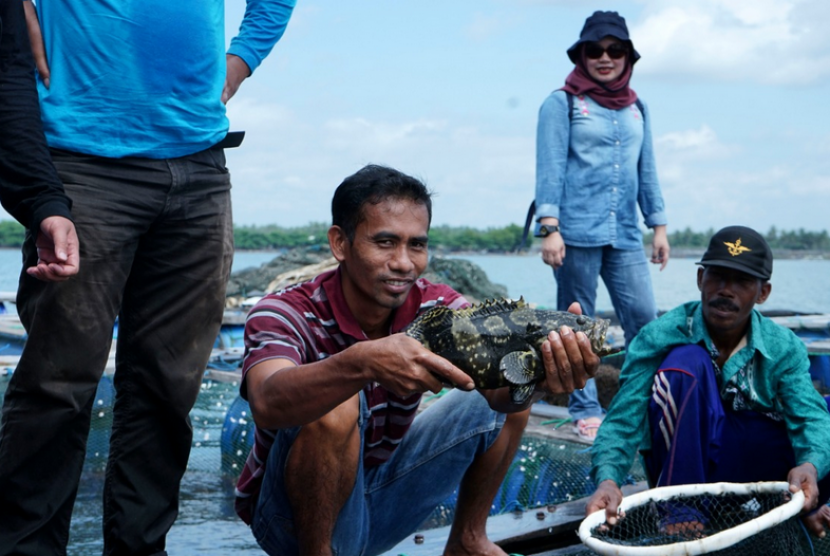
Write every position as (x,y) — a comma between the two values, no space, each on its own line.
(713,391)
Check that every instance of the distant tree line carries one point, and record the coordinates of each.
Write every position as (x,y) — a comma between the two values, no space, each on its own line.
(795,240)
(11,233)
(452,238)
(458,238)
(445,238)
(277,237)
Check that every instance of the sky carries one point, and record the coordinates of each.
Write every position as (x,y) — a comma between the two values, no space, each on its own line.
(449,91)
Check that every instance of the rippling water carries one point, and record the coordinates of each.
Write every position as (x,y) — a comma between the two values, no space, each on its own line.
(797,284)
(207,524)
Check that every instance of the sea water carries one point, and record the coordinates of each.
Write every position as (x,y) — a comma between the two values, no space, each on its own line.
(801,285)
(207,524)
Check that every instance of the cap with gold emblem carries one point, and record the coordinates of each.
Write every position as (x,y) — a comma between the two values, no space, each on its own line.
(739,248)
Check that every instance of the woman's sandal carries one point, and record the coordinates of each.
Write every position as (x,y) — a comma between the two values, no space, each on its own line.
(586,429)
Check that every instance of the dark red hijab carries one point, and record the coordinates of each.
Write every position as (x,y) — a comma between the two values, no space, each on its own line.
(614,95)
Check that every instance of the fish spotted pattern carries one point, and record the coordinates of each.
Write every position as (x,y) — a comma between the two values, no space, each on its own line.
(498,343)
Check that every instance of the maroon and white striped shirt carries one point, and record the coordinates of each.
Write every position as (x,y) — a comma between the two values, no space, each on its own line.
(309,322)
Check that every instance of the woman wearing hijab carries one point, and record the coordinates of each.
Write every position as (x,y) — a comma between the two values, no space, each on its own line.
(594,167)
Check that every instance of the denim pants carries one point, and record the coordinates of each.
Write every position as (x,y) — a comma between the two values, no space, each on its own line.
(156,245)
(626,276)
(695,439)
(391,500)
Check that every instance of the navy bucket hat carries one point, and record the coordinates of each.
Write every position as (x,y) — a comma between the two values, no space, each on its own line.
(600,25)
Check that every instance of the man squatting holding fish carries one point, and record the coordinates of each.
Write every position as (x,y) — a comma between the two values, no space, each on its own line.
(340,463)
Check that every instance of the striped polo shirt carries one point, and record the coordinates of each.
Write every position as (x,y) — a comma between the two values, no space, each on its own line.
(310,322)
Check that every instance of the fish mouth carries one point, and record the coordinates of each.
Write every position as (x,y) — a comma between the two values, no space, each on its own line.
(597,334)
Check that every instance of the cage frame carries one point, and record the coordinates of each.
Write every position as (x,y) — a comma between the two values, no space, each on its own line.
(717,541)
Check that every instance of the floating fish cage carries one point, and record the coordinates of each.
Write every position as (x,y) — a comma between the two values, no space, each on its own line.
(545,471)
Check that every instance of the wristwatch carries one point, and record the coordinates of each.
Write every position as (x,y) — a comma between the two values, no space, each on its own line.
(546,229)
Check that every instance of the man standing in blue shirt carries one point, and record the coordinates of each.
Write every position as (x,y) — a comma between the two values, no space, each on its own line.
(132,96)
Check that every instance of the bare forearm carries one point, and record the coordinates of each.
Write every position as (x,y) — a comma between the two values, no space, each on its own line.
(293,396)
(285,395)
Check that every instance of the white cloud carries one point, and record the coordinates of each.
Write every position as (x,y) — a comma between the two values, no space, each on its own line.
(680,153)
(483,27)
(707,183)
(287,169)
(816,186)
(761,41)
(703,139)
(378,137)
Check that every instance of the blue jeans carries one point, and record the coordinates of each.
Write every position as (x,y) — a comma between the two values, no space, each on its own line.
(391,500)
(626,275)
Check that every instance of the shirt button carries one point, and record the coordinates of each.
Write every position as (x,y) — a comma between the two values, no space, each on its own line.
(612,213)
(616,165)
(617,143)
(613,190)
(615,122)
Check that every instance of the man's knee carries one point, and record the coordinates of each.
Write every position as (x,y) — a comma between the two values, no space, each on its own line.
(686,368)
(324,459)
(334,431)
(691,360)
(511,432)
(516,422)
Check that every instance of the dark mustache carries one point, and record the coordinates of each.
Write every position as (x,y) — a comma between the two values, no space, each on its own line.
(723,304)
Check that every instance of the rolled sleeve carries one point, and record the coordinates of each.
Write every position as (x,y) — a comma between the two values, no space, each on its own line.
(655,219)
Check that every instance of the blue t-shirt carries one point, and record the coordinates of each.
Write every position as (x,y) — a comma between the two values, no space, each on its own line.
(145,78)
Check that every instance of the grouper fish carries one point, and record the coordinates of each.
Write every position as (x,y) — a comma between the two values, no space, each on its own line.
(499,342)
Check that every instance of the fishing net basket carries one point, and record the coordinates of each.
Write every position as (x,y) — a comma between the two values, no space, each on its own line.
(752,519)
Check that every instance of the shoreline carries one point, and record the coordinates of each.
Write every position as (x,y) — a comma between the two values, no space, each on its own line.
(676,253)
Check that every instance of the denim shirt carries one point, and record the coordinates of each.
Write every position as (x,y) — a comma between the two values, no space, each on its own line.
(593,170)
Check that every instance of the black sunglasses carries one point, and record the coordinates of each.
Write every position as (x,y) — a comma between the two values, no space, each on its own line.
(615,51)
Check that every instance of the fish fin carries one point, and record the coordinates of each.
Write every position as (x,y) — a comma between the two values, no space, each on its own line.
(517,366)
(433,318)
(493,307)
(520,394)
